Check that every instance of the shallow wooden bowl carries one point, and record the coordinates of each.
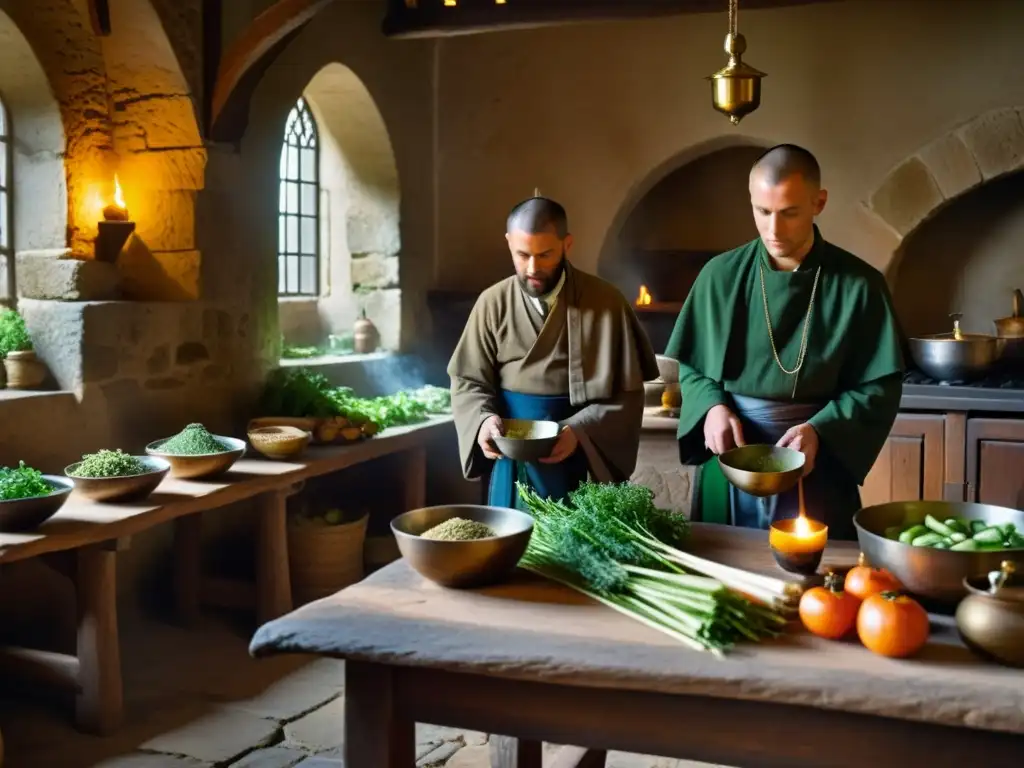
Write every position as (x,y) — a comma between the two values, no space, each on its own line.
(202,466)
(121,489)
(26,514)
(279,442)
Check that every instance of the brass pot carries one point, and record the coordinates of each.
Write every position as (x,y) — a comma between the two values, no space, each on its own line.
(957,356)
(365,337)
(1012,329)
(991,618)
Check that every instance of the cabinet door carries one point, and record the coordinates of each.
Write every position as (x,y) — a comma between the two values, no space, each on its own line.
(910,466)
(995,461)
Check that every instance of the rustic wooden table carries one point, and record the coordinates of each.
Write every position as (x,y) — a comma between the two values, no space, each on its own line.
(536,661)
(95,533)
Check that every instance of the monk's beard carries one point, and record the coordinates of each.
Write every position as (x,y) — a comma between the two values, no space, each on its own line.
(549,283)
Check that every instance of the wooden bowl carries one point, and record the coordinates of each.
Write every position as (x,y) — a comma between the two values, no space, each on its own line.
(538,444)
(26,514)
(121,489)
(202,466)
(463,564)
(279,442)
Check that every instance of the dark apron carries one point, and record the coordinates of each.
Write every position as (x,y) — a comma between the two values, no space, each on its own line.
(830,494)
(555,481)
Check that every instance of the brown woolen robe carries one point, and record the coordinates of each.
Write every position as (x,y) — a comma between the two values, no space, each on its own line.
(590,346)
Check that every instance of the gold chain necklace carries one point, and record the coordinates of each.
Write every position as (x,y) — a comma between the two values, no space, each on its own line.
(807,323)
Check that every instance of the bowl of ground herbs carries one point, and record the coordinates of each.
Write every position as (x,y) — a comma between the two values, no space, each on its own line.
(195,453)
(28,497)
(115,476)
(463,545)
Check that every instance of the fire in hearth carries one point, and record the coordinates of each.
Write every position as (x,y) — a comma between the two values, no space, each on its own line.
(644,298)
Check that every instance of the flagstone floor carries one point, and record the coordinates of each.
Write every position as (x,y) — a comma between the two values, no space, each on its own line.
(194,699)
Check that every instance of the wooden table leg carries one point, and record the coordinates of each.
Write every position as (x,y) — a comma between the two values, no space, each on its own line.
(188,567)
(415,494)
(98,705)
(376,732)
(273,582)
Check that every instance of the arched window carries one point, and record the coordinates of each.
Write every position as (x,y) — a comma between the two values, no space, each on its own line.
(298,259)
(6,220)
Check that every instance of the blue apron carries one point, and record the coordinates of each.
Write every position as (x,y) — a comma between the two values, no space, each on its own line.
(555,481)
(830,494)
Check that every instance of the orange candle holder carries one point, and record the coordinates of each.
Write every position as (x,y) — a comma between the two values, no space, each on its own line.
(798,544)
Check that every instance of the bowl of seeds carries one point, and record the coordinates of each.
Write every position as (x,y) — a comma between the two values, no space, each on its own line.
(29,498)
(463,545)
(196,454)
(527,440)
(279,442)
(115,476)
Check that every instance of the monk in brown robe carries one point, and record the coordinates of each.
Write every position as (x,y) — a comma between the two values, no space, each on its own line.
(550,343)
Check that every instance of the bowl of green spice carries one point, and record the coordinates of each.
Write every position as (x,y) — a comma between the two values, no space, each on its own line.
(28,497)
(762,470)
(196,454)
(526,439)
(463,545)
(114,476)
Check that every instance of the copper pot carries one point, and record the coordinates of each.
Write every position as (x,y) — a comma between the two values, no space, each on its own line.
(1012,329)
(991,618)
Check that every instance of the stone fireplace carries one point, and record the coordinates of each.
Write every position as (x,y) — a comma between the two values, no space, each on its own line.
(687,215)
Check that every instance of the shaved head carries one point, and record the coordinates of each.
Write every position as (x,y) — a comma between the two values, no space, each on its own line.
(538,215)
(786,196)
(785,160)
(537,233)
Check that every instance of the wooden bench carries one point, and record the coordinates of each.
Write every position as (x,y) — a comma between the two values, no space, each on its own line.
(95,533)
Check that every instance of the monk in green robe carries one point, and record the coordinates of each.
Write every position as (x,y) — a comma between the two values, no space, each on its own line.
(550,343)
(787,340)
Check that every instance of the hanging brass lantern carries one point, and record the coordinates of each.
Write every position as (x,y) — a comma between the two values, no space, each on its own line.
(736,88)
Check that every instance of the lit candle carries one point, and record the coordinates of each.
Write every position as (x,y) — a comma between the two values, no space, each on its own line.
(798,543)
(116,211)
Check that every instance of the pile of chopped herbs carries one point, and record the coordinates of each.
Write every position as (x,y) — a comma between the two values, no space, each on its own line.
(193,440)
(610,542)
(301,393)
(22,482)
(459,529)
(106,463)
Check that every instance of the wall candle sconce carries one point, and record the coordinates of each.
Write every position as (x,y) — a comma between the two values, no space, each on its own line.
(115,228)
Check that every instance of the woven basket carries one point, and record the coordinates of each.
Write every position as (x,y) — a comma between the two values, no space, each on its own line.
(325,559)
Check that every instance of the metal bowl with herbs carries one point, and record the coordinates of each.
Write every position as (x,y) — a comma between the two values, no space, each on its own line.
(115,476)
(28,497)
(195,453)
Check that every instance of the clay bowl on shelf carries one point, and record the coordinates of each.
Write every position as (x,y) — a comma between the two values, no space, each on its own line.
(26,514)
(935,574)
(463,564)
(279,442)
(762,470)
(527,440)
(124,488)
(203,466)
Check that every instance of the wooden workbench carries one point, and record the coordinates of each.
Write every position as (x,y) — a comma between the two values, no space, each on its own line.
(96,532)
(537,661)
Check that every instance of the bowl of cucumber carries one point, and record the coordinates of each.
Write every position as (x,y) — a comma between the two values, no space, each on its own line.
(931,546)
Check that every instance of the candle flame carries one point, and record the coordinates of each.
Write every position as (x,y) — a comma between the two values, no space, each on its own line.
(644,298)
(802,526)
(118,194)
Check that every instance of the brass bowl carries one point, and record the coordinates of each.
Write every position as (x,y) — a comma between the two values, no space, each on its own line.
(542,438)
(937,574)
(26,514)
(121,489)
(202,466)
(741,467)
(279,442)
(991,623)
(463,564)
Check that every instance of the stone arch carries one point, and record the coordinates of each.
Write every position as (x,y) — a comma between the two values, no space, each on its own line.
(989,146)
(637,192)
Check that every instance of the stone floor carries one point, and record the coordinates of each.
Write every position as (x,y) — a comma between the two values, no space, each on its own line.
(194,699)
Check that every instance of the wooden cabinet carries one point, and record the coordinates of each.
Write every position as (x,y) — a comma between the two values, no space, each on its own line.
(995,461)
(912,464)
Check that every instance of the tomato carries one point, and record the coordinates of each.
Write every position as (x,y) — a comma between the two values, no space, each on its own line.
(863,581)
(891,624)
(829,611)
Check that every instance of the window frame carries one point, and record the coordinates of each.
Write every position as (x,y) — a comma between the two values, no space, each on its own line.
(7,285)
(301,134)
